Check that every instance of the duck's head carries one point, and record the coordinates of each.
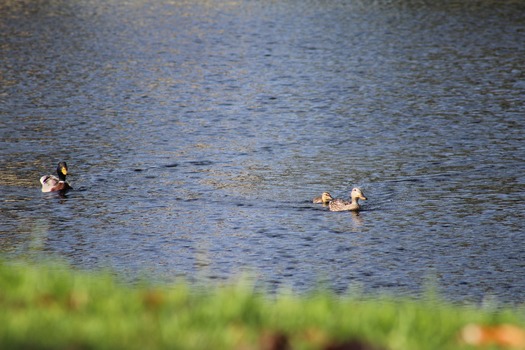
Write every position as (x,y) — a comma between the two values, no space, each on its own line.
(326,197)
(357,194)
(62,170)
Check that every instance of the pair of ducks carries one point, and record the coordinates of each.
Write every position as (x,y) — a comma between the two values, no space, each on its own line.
(338,204)
(51,183)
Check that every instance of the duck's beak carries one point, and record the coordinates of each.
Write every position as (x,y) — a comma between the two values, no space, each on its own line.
(363,198)
(64,171)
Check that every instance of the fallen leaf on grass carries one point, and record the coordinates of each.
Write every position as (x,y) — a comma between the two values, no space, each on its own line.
(505,335)
(153,299)
(317,339)
(274,341)
(350,345)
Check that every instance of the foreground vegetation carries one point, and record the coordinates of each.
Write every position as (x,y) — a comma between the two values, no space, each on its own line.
(54,307)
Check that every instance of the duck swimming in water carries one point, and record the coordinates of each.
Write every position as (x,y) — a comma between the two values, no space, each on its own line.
(51,183)
(342,205)
(324,198)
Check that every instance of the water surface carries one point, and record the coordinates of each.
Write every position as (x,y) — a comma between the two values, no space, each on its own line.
(198,132)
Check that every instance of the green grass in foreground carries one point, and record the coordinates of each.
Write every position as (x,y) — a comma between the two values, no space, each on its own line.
(53,307)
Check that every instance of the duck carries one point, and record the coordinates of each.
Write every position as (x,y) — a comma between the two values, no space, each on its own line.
(324,198)
(51,183)
(342,205)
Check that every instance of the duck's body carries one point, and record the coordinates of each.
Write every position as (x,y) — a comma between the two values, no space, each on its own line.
(51,183)
(324,198)
(343,205)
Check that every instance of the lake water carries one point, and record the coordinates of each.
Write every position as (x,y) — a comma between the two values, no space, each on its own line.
(197,133)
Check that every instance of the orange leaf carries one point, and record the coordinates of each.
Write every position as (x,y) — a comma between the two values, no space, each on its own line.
(505,335)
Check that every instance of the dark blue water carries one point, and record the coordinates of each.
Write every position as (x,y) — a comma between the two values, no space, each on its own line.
(198,132)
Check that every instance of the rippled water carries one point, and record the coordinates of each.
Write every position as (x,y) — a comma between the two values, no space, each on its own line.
(197,133)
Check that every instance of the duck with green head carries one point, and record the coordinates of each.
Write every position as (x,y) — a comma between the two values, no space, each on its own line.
(51,183)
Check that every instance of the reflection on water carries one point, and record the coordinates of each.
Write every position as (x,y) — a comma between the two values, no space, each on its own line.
(197,133)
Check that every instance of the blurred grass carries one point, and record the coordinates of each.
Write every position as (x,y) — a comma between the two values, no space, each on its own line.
(55,307)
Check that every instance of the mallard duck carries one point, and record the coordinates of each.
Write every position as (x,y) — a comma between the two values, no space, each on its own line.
(341,204)
(324,198)
(51,183)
